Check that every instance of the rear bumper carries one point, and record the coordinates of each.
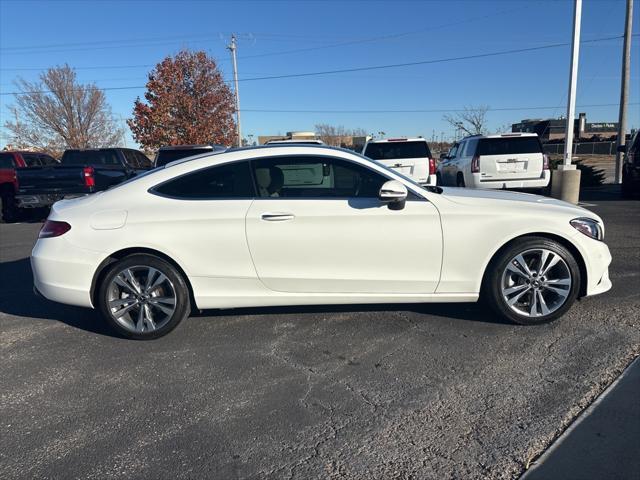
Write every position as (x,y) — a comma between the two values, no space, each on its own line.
(431,180)
(541,182)
(63,272)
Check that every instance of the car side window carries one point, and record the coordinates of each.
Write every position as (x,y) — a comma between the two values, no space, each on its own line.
(143,161)
(470,149)
(7,161)
(31,160)
(48,160)
(131,158)
(231,180)
(315,177)
(453,151)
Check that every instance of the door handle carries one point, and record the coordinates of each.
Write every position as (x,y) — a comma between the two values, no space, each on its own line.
(277,216)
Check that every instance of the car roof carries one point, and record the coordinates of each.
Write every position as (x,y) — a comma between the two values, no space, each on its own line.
(503,135)
(399,139)
(185,147)
(304,142)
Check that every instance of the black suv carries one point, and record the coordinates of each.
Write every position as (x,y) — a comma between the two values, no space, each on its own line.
(177,152)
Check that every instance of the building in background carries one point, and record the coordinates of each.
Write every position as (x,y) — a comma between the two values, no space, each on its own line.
(553,129)
(345,141)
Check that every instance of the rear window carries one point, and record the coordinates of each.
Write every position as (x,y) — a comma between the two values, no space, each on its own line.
(6,160)
(508,146)
(90,157)
(393,150)
(168,156)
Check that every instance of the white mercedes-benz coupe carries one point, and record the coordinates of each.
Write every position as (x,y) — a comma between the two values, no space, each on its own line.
(300,225)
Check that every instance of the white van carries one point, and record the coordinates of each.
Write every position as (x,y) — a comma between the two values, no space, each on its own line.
(510,160)
(409,156)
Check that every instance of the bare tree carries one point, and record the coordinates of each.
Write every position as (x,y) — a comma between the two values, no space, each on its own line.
(57,112)
(337,136)
(472,120)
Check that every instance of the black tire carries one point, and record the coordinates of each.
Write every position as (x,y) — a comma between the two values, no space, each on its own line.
(10,213)
(460,181)
(141,261)
(492,286)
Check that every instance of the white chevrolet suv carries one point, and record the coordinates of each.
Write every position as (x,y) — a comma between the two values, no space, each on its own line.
(409,156)
(510,160)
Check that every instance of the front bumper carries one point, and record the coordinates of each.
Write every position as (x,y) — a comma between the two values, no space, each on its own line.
(597,259)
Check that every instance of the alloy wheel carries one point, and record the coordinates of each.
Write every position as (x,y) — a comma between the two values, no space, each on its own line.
(536,282)
(141,299)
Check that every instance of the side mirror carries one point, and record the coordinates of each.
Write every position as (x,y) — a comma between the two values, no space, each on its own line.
(393,193)
(621,149)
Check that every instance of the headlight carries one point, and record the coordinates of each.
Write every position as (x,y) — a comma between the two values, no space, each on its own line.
(590,227)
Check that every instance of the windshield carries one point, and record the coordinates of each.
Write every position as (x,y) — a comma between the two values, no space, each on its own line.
(90,157)
(393,150)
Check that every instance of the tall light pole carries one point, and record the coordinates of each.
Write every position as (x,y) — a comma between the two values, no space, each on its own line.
(624,91)
(566,179)
(233,48)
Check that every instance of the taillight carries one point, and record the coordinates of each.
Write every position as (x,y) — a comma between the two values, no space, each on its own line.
(475,164)
(432,166)
(545,161)
(52,228)
(89,179)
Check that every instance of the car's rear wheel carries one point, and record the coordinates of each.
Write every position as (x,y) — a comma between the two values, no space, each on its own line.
(534,280)
(143,297)
(460,181)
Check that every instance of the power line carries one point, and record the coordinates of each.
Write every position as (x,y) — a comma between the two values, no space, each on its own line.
(436,110)
(427,62)
(375,67)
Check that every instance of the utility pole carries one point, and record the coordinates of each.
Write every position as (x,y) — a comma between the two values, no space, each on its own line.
(233,48)
(624,91)
(566,179)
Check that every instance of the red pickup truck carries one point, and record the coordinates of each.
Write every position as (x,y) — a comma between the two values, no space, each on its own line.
(9,161)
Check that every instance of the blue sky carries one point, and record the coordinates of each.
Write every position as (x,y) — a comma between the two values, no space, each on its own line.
(116,43)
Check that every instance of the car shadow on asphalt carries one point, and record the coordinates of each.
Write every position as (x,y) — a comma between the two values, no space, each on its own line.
(17,298)
(473,312)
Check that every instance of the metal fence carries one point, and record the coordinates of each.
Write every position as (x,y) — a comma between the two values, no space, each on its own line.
(582,148)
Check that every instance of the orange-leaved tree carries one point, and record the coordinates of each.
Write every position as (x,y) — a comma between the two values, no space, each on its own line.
(187,102)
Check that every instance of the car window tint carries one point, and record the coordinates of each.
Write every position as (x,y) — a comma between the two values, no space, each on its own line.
(31,160)
(169,155)
(6,160)
(131,158)
(47,160)
(509,145)
(143,160)
(315,177)
(232,180)
(393,150)
(90,157)
(453,151)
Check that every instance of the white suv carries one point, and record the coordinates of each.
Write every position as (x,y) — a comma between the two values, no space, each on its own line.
(510,160)
(409,156)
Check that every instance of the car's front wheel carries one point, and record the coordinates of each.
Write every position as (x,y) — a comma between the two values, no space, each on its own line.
(143,297)
(534,280)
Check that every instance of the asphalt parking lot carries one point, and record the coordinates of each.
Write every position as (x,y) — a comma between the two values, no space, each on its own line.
(394,391)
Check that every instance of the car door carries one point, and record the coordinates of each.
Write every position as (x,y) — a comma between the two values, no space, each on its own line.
(317,226)
(448,168)
(201,217)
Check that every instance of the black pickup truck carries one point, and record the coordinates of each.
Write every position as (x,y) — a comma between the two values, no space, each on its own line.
(80,172)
